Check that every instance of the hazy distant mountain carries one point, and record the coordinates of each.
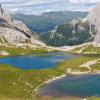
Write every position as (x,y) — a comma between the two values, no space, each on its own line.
(48,21)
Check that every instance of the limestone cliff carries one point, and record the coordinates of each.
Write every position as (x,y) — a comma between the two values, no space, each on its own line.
(94,20)
(12,31)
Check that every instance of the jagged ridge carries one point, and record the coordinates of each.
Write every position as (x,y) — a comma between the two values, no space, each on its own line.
(94,20)
(13,31)
(73,33)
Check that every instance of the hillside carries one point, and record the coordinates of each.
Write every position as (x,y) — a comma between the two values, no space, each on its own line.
(94,20)
(74,33)
(14,32)
(47,21)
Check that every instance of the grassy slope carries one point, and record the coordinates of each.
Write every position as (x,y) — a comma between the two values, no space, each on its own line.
(87,49)
(75,63)
(17,83)
(20,51)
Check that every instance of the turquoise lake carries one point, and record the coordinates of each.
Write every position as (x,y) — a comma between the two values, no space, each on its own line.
(47,60)
(76,86)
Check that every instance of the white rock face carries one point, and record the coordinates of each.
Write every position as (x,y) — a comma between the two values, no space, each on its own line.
(94,19)
(12,31)
(88,64)
(4,53)
(11,36)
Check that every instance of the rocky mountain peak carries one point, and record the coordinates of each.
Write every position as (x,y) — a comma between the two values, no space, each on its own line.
(3,14)
(94,20)
(1,11)
(13,31)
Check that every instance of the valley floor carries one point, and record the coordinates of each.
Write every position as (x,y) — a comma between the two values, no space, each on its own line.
(18,84)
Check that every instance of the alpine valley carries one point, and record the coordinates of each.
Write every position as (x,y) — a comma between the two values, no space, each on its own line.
(53,56)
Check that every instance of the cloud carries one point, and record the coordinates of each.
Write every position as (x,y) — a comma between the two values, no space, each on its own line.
(83,1)
(41,6)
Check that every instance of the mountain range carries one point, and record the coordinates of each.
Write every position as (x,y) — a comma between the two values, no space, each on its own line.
(72,32)
(47,21)
(76,32)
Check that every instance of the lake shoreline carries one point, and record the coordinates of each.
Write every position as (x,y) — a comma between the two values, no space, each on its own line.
(65,75)
(72,74)
(54,74)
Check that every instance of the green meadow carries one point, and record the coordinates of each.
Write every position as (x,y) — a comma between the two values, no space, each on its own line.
(18,84)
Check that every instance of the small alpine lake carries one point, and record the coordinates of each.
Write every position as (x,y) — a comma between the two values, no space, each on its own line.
(37,61)
(75,86)
(80,86)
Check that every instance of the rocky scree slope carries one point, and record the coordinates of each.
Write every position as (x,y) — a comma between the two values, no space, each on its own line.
(12,31)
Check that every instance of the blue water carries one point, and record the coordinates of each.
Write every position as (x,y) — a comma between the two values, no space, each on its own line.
(77,86)
(36,62)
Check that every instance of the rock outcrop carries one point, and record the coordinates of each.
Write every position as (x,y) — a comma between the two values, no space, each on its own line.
(74,33)
(94,20)
(12,31)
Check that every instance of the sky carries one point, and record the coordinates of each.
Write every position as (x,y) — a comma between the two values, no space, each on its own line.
(37,7)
